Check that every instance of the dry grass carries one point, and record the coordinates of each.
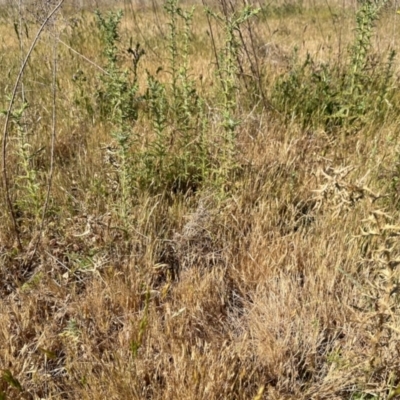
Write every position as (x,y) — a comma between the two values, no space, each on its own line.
(284,288)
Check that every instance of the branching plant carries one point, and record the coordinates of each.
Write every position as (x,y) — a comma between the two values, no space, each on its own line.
(118,101)
(10,114)
(334,95)
(229,68)
(175,159)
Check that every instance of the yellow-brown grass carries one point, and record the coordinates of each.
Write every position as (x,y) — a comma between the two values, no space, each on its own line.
(283,290)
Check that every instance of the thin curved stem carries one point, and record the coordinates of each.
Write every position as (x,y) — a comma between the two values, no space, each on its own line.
(7,122)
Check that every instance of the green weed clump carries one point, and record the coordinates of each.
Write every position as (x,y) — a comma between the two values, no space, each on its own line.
(118,100)
(175,158)
(29,196)
(229,68)
(346,95)
(172,156)
(178,154)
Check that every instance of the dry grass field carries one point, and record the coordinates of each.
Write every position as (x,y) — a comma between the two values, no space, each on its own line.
(200,203)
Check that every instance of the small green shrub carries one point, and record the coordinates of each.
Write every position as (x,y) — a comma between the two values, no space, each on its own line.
(332,95)
(117,96)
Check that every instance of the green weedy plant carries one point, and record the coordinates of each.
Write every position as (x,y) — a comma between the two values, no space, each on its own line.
(118,100)
(173,155)
(358,80)
(308,93)
(176,157)
(188,111)
(171,7)
(26,181)
(184,97)
(187,100)
(345,96)
(385,84)
(154,157)
(118,95)
(227,74)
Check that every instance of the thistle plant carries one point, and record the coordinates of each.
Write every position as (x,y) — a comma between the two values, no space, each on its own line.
(365,21)
(155,157)
(171,7)
(174,159)
(345,96)
(229,68)
(27,179)
(26,182)
(118,100)
(358,77)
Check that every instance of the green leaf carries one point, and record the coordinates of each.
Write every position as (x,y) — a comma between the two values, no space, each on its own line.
(8,377)
(48,353)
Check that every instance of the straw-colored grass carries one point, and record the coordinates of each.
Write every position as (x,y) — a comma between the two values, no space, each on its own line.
(279,284)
